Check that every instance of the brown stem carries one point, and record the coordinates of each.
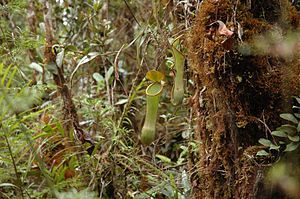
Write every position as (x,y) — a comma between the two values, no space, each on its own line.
(70,113)
(32,21)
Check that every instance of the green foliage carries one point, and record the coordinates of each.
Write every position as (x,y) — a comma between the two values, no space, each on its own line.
(105,53)
(74,194)
(288,134)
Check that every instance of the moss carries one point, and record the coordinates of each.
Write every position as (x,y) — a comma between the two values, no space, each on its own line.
(243,92)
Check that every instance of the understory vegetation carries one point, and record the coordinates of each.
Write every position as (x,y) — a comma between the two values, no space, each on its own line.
(149,99)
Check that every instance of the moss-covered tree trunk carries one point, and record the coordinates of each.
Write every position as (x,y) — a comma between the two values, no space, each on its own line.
(240,91)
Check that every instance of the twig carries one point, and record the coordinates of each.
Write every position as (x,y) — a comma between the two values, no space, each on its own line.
(132,13)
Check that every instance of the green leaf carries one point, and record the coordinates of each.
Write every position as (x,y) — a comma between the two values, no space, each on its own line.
(275,147)
(291,146)
(279,133)
(297,115)
(121,101)
(289,117)
(298,100)
(265,142)
(8,185)
(298,128)
(109,73)
(87,58)
(294,138)
(98,77)
(36,67)
(163,158)
(291,130)
(262,153)
(39,135)
(296,107)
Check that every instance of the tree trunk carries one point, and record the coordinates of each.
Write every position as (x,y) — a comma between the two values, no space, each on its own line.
(240,92)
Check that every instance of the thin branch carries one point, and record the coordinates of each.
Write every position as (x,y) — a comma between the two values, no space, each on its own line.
(132,13)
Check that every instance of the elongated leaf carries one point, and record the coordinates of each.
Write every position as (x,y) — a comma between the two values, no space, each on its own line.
(6,184)
(294,138)
(279,133)
(275,147)
(36,67)
(296,107)
(98,77)
(289,117)
(109,73)
(262,153)
(163,158)
(85,59)
(265,142)
(292,146)
(297,115)
(289,129)
(121,101)
(298,128)
(298,100)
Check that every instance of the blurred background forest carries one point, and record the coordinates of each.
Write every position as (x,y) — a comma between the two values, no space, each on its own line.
(149,99)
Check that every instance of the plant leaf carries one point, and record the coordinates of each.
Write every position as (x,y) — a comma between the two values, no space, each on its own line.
(295,138)
(288,129)
(291,146)
(163,158)
(85,59)
(121,101)
(279,133)
(298,127)
(289,117)
(296,107)
(275,147)
(6,184)
(98,77)
(262,153)
(298,100)
(109,73)
(36,67)
(265,142)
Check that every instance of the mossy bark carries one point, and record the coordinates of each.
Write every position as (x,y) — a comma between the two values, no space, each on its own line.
(238,97)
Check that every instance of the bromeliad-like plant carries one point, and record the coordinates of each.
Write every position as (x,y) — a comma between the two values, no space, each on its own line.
(153,93)
(289,134)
